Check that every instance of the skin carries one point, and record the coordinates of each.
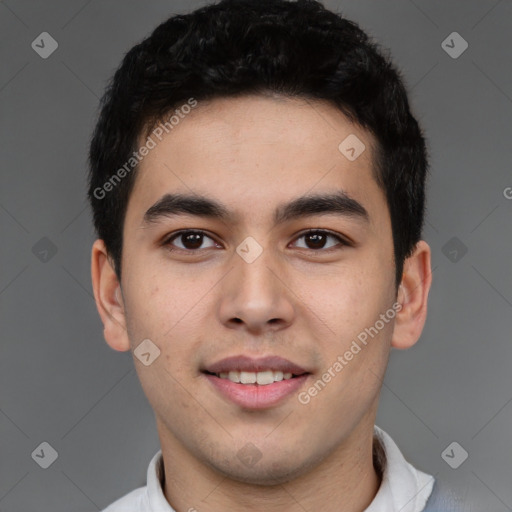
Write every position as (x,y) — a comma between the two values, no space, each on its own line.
(303,303)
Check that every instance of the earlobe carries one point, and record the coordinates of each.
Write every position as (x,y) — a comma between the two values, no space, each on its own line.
(413,297)
(108,297)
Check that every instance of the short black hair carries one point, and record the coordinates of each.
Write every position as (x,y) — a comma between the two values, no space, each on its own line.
(241,47)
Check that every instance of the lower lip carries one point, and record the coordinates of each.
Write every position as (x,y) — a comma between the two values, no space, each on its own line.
(255,396)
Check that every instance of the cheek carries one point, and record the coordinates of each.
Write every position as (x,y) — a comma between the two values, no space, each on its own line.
(147,311)
(166,311)
(154,300)
(346,311)
(349,300)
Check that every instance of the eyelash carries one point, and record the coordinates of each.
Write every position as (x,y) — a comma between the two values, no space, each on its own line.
(342,242)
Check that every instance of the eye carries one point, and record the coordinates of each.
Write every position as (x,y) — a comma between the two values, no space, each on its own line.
(315,239)
(191,240)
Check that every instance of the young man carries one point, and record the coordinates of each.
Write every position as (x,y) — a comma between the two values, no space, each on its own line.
(257,184)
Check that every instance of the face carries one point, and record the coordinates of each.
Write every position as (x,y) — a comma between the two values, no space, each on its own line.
(258,274)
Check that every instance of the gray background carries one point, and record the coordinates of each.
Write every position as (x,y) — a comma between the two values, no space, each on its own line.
(59,381)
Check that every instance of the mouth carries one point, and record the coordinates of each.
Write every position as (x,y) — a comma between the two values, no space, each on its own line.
(255,383)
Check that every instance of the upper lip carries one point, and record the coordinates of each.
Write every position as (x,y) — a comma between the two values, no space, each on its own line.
(249,364)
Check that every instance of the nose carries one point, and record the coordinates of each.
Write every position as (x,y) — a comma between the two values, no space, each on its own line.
(255,296)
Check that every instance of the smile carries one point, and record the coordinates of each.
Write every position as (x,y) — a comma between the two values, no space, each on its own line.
(263,378)
(258,391)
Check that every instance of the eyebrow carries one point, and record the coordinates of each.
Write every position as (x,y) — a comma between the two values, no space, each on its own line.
(338,203)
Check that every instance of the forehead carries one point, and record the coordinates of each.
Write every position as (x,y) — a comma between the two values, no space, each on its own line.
(254,151)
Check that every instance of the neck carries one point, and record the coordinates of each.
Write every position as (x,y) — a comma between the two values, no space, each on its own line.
(346,480)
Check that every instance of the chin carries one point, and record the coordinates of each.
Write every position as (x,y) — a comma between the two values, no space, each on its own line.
(265,473)
(263,476)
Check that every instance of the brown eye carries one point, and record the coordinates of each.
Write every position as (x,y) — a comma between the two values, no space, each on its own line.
(317,239)
(190,240)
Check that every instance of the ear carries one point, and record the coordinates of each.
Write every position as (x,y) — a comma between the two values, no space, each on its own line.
(413,296)
(108,297)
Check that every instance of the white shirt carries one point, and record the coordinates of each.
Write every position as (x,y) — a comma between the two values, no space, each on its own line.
(404,488)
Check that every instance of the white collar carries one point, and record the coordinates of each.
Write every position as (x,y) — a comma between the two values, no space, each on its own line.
(403,489)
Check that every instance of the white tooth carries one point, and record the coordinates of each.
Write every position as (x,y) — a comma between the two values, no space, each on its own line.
(247,377)
(264,378)
(278,376)
(234,376)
